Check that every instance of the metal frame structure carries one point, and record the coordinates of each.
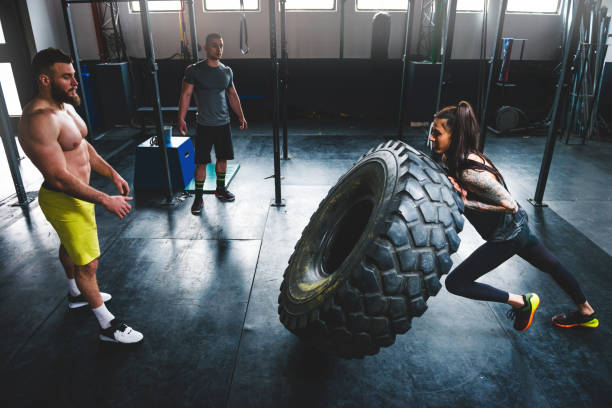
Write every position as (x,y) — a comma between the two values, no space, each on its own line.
(342,14)
(151,66)
(284,76)
(587,76)
(493,68)
(278,201)
(405,56)
(12,154)
(449,32)
(574,6)
(192,30)
(426,29)
(482,64)
(15,50)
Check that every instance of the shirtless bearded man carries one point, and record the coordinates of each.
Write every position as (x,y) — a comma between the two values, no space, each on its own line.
(52,135)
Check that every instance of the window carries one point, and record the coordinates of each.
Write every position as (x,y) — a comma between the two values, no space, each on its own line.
(157,6)
(530,6)
(9,89)
(400,5)
(470,5)
(382,5)
(230,5)
(310,5)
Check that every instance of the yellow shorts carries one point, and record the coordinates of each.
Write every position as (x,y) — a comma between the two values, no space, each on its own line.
(74,221)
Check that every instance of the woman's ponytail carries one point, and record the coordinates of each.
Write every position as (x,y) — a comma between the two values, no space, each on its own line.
(467,125)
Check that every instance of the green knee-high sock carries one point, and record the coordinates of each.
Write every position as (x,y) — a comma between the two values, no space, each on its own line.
(199,188)
(220,181)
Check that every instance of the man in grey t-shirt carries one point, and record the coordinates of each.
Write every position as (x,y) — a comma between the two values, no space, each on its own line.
(212,82)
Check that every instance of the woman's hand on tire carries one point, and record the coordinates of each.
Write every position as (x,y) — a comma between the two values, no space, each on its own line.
(462,191)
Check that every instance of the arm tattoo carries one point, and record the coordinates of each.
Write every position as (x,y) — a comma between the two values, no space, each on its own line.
(486,187)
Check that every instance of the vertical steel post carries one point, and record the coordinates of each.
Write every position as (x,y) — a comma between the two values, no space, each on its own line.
(599,77)
(77,66)
(284,77)
(574,95)
(493,68)
(405,55)
(152,66)
(10,148)
(275,104)
(565,12)
(550,138)
(482,65)
(449,31)
(192,30)
(342,13)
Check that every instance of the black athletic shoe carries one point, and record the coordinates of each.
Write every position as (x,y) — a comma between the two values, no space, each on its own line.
(576,319)
(524,316)
(224,195)
(198,204)
(119,332)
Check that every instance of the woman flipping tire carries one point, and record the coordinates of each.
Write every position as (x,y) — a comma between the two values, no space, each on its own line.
(500,221)
(372,253)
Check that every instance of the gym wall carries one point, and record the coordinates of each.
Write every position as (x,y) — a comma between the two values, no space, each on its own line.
(316,34)
(48,26)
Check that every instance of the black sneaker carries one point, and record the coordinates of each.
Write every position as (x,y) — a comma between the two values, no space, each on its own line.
(523,316)
(224,195)
(119,332)
(198,204)
(576,319)
(79,301)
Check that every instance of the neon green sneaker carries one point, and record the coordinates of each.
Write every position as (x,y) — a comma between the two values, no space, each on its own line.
(524,316)
(576,319)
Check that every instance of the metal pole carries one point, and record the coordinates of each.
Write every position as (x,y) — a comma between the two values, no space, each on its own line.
(601,37)
(406,53)
(449,30)
(565,11)
(599,77)
(482,65)
(275,104)
(342,8)
(550,139)
(587,78)
(492,70)
(152,66)
(77,66)
(10,148)
(574,97)
(284,77)
(192,30)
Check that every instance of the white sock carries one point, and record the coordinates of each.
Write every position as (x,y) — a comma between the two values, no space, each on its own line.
(103,315)
(74,289)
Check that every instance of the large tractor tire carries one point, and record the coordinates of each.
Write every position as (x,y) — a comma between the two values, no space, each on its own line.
(372,253)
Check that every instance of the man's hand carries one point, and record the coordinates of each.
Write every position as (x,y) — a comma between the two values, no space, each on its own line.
(117,205)
(121,184)
(462,192)
(182,127)
(243,124)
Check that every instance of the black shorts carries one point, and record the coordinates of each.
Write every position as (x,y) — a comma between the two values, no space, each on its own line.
(208,136)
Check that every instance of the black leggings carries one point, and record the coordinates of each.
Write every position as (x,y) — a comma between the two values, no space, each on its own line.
(461,281)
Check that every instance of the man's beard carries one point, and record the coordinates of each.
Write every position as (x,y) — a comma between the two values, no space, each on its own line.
(62,96)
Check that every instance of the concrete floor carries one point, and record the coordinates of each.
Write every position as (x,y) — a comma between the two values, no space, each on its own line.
(204,290)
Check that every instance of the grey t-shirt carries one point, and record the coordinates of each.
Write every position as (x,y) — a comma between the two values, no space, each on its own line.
(210,85)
